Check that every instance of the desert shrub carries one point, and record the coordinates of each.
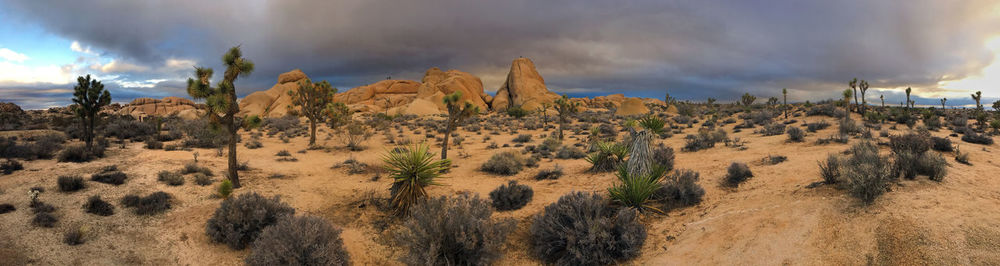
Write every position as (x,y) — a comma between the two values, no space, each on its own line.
(170,178)
(523,138)
(816,126)
(570,152)
(737,173)
(827,110)
(773,129)
(412,169)
(910,143)
(98,206)
(108,176)
(154,144)
(830,169)
(239,220)
(763,117)
(517,112)
(866,173)
(154,203)
(582,229)
(74,236)
(6,207)
(70,183)
(607,157)
(8,166)
(74,153)
(933,165)
(192,167)
(44,219)
(664,157)
(941,144)
(225,188)
(40,207)
(304,240)
(202,179)
(848,127)
(680,189)
(973,137)
(550,174)
(703,140)
(253,144)
(511,196)
(453,231)
(128,128)
(795,134)
(200,133)
(504,163)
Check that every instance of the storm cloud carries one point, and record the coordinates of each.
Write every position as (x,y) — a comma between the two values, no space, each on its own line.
(693,49)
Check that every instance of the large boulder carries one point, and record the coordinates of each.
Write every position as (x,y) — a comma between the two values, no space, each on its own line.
(381,95)
(436,84)
(632,106)
(524,87)
(169,106)
(274,102)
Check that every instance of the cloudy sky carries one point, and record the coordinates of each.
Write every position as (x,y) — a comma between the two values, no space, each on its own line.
(693,49)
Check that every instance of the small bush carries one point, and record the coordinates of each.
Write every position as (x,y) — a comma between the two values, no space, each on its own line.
(202,179)
(973,137)
(737,173)
(170,178)
(504,163)
(305,240)
(830,169)
(74,153)
(550,174)
(523,138)
(680,189)
(191,168)
(941,144)
(238,221)
(113,177)
(154,144)
(6,207)
(933,165)
(517,112)
(664,157)
(570,152)
(154,203)
(607,157)
(98,206)
(453,231)
(795,134)
(849,127)
(866,173)
(773,129)
(44,219)
(8,166)
(816,126)
(511,196)
(910,143)
(70,183)
(225,188)
(74,236)
(703,140)
(582,229)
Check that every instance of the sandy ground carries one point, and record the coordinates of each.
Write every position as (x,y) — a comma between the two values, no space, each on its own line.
(771,219)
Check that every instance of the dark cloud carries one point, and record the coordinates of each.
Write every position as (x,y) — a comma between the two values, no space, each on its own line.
(695,49)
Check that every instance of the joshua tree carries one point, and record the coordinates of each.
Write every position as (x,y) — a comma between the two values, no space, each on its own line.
(89,96)
(908,90)
(943,100)
(565,107)
(456,113)
(772,101)
(545,114)
(337,114)
(854,87)
(784,106)
(847,103)
(221,100)
(747,100)
(863,87)
(313,99)
(666,98)
(882,97)
(978,96)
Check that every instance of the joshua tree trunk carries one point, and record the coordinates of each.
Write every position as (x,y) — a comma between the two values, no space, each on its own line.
(444,145)
(312,129)
(233,165)
(562,122)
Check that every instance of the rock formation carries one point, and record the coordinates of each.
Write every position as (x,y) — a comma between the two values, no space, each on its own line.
(274,102)
(524,87)
(379,96)
(169,106)
(632,106)
(401,96)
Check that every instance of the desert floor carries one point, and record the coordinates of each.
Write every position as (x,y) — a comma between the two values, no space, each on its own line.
(771,219)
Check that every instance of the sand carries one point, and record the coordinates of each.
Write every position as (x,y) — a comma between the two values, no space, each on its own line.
(771,219)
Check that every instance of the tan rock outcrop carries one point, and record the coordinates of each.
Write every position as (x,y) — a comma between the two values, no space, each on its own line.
(632,106)
(524,87)
(168,106)
(274,102)
(436,84)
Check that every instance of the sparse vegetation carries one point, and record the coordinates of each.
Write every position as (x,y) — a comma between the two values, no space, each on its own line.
(412,170)
(582,229)
(96,205)
(154,203)
(680,189)
(504,163)
(301,240)
(511,196)
(736,174)
(453,231)
(70,183)
(170,178)
(550,174)
(240,220)
(866,173)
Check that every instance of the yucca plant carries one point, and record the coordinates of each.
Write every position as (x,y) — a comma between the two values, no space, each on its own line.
(653,124)
(608,156)
(412,169)
(635,191)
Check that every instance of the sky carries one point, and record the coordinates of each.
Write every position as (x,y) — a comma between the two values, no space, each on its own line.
(691,49)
